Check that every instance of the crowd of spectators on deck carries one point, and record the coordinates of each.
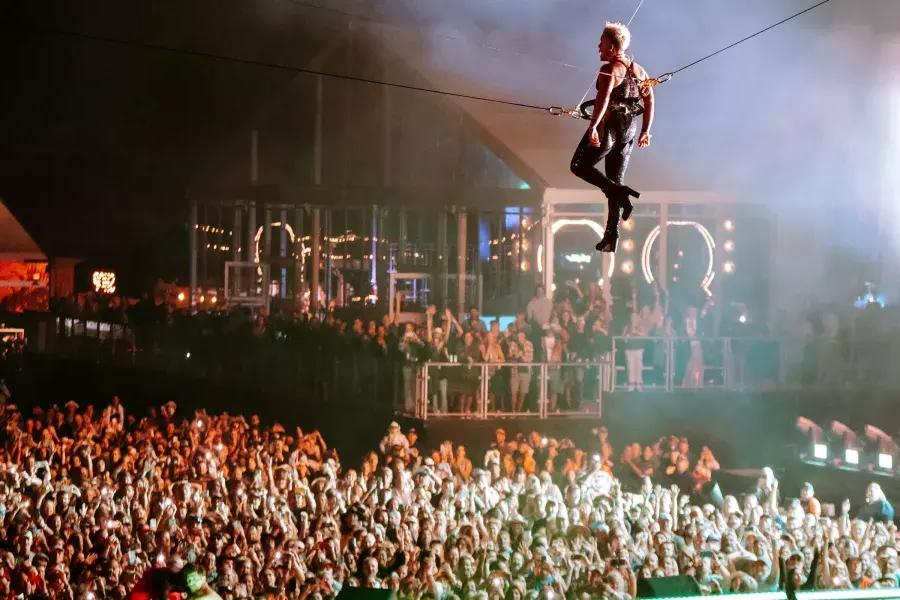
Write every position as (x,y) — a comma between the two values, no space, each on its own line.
(659,345)
(93,499)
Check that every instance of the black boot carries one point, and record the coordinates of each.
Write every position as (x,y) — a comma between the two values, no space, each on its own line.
(622,198)
(609,241)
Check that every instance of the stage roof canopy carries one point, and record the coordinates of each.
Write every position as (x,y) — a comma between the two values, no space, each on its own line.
(15,242)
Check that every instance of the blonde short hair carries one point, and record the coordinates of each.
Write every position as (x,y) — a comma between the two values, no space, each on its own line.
(618,35)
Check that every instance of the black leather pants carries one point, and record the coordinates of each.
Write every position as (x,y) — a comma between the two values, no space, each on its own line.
(617,138)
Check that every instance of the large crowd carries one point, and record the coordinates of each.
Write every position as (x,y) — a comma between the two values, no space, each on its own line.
(93,499)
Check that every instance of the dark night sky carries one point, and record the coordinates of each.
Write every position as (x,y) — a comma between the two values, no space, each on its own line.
(100,142)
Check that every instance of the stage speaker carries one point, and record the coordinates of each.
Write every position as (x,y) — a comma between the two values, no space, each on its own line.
(668,587)
(355,593)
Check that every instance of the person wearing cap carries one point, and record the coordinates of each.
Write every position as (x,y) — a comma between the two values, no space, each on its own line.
(889,564)
(415,449)
(808,500)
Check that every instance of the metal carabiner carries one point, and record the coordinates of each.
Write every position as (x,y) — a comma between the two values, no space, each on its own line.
(655,81)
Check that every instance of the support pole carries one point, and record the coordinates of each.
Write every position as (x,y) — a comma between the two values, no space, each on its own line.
(316,237)
(329,249)
(299,271)
(373,277)
(461,231)
(266,254)
(236,225)
(204,248)
(251,231)
(283,252)
(193,250)
(442,259)
(549,263)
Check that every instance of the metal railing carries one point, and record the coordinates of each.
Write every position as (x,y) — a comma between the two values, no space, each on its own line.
(673,363)
(492,390)
(746,363)
(664,363)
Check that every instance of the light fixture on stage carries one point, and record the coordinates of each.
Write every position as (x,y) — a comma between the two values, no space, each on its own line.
(728,267)
(647,252)
(628,244)
(851,446)
(729,225)
(628,225)
(181,296)
(883,446)
(628,267)
(728,245)
(815,438)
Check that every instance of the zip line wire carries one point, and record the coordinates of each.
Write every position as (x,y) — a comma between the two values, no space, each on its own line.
(554,110)
(270,65)
(634,14)
(749,37)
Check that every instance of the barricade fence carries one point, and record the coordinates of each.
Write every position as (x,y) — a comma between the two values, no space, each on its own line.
(502,389)
(333,367)
(707,363)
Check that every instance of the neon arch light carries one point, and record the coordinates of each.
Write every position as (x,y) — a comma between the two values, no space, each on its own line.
(559,224)
(710,248)
(259,232)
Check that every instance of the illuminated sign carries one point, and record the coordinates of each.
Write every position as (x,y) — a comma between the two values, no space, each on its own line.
(104,282)
(578,259)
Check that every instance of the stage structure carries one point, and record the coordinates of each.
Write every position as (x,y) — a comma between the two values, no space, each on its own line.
(313,257)
(693,245)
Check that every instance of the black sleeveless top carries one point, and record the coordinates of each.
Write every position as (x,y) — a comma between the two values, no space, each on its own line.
(627,95)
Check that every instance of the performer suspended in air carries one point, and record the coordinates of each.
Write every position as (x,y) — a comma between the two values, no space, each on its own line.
(613,128)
